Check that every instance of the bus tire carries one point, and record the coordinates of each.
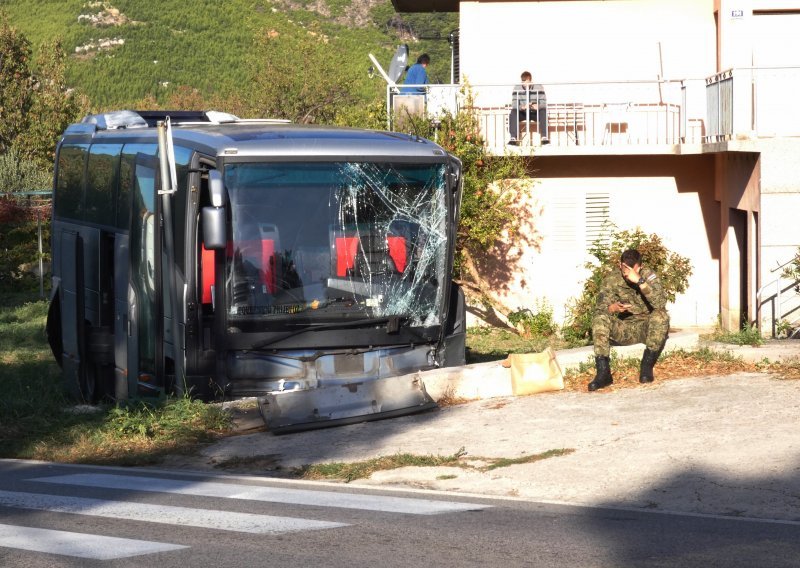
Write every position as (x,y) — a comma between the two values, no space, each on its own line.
(88,382)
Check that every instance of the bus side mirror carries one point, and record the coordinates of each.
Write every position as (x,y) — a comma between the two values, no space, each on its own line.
(216,189)
(214,230)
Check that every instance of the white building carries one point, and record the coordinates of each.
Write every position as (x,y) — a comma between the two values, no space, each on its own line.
(676,116)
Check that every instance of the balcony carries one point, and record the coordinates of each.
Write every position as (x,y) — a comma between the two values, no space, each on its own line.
(625,117)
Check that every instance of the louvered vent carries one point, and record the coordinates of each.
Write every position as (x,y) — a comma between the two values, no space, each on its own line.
(597,224)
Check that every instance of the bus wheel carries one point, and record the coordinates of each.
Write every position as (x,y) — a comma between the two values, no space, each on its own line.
(88,382)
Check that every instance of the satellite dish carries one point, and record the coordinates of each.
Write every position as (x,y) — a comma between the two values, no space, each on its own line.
(399,63)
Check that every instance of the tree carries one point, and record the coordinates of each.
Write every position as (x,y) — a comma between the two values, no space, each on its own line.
(297,77)
(53,106)
(35,107)
(15,83)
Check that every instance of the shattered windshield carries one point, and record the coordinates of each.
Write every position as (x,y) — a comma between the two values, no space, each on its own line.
(333,241)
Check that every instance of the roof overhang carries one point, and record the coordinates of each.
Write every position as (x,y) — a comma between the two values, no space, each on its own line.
(442,5)
(426,5)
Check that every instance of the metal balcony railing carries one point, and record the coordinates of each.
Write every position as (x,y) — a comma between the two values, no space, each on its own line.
(740,103)
(576,114)
(753,102)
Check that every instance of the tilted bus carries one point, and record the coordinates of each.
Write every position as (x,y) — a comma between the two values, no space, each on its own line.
(308,266)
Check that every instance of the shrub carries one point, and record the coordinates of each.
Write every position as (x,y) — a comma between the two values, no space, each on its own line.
(748,335)
(534,323)
(21,174)
(673,270)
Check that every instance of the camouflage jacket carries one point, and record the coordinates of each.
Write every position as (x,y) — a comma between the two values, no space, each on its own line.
(643,299)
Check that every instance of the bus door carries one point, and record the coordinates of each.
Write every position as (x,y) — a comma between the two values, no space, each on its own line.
(144,295)
(75,370)
(122,389)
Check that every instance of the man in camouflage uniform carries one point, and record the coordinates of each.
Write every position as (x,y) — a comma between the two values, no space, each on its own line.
(630,309)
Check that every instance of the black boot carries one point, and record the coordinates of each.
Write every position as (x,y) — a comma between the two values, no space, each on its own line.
(649,359)
(603,377)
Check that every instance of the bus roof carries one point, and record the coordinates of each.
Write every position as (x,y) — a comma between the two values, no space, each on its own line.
(225,135)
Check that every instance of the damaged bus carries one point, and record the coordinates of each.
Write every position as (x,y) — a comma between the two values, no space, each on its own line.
(310,267)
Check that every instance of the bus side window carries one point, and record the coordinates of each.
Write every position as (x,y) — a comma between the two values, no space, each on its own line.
(127,169)
(102,176)
(69,184)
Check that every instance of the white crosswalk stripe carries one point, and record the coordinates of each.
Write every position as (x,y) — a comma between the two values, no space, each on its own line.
(203,518)
(108,547)
(284,495)
(81,545)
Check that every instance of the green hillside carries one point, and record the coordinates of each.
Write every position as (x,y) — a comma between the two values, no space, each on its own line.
(125,52)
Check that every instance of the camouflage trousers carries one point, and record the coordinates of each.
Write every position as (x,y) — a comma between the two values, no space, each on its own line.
(609,330)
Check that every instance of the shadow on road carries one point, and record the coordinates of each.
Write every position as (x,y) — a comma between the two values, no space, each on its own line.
(718,521)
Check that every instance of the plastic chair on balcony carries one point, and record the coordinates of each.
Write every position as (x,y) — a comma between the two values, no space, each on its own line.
(566,122)
(616,117)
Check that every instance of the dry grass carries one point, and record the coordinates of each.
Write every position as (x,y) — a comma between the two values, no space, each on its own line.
(672,365)
(449,398)
(789,369)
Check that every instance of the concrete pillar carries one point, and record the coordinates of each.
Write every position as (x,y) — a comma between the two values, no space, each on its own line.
(737,182)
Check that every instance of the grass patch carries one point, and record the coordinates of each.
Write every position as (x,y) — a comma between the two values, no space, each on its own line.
(492,344)
(358,470)
(749,335)
(38,422)
(347,472)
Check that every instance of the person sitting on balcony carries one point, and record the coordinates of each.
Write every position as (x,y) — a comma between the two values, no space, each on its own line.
(528,103)
(417,75)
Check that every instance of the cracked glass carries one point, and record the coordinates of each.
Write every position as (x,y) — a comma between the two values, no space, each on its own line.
(335,241)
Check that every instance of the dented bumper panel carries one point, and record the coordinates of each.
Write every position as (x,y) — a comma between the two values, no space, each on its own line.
(333,405)
(253,373)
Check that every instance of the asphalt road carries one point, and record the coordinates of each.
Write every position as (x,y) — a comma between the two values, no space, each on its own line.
(57,515)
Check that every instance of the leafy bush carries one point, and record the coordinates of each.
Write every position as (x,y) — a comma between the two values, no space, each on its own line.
(673,270)
(534,323)
(784,328)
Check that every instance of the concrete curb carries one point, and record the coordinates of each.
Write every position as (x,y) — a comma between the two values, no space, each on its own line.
(491,379)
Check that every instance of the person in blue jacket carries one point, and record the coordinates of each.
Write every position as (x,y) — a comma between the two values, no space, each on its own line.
(417,75)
